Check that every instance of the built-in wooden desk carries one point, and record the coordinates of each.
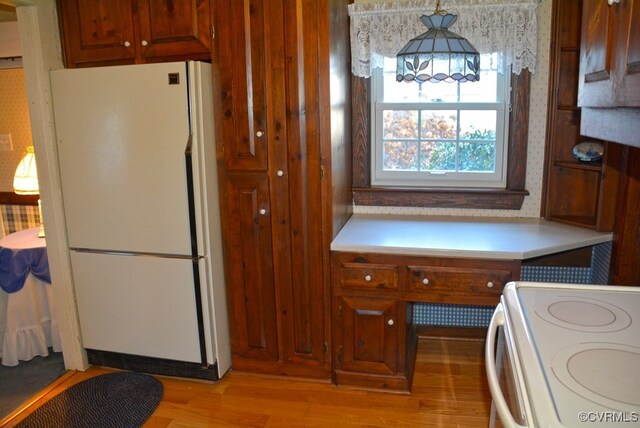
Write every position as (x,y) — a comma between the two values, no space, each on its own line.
(381,265)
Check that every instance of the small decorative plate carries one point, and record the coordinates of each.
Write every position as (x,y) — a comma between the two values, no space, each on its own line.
(588,151)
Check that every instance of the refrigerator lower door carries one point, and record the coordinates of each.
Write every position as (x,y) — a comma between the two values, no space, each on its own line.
(136,304)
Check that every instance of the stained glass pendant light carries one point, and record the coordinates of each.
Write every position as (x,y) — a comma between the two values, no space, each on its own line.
(438,54)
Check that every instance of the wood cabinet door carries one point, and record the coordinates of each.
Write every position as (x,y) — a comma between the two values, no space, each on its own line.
(628,62)
(367,333)
(610,54)
(174,28)
(249,56)
(299,189)
(596,55)
(249,268)
(97,30)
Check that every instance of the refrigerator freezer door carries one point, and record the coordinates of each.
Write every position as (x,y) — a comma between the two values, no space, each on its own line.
(137,305)
(121,136)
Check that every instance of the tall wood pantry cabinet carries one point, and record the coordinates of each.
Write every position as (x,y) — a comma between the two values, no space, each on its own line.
(282,74)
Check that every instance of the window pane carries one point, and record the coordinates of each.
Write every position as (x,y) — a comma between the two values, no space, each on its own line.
(397,92)
(399,124)
(437,156)
(440,91)
(484,90)
(400,155)
(439,124)
(478,124)
(480,157)
(439,134)
(414,92)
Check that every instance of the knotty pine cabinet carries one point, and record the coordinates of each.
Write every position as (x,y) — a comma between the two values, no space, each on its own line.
(110,32)
(281,73)
(610,70)
(374,336)
(610,66)
(578,193)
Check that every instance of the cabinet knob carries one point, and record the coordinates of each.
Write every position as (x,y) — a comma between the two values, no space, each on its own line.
(262,211)
(127,43)
(489,284)
(144,43)
(259,134)
(612,2)
(425,281)
(280,173)
(367,278)
(390,322)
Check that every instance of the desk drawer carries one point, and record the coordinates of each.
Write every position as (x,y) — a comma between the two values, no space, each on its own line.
(372,276)
(457,282)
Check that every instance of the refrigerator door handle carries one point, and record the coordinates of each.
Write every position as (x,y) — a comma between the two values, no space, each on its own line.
(188,154)
(135,253)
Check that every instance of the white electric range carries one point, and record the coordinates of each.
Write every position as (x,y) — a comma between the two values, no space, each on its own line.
(564,355)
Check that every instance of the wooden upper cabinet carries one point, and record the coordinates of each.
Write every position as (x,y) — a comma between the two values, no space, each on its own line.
(95,31)
(610,54)
(628,94)
(101,32)
(170,28)
(246,52)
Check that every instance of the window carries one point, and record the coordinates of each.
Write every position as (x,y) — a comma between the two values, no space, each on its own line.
(440,134)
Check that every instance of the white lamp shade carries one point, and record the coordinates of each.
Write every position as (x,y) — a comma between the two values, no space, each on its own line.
(25,180)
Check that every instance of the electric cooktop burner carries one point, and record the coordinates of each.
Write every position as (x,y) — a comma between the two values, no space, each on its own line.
(588,347)
(582,314)
(583,367)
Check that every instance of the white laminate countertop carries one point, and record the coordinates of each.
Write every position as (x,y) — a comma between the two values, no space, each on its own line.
(474,237)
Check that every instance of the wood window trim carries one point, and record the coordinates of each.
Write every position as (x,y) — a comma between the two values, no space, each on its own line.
(510,198)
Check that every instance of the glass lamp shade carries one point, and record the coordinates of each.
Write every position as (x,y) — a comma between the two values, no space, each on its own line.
(25,180)
(438,55)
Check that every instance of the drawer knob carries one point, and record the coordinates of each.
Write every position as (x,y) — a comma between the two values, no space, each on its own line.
(489,284)
(425,281)
(390,322)
(127,43)
(144,43)
(367,278)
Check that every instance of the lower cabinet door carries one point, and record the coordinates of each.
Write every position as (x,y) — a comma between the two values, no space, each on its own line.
(367,332)
(250,281)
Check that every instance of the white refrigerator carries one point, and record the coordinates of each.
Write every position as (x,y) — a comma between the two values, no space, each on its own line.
(139,185)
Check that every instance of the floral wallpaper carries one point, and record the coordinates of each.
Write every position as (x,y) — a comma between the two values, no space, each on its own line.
(14,120)
(7,13)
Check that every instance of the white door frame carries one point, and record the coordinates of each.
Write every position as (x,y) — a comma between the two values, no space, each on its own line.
(39,35)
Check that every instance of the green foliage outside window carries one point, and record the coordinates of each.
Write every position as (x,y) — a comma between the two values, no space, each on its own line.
(428,141)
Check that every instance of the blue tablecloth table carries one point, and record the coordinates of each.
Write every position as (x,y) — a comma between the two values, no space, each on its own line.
(28,323)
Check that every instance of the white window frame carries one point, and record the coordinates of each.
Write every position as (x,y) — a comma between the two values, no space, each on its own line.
(496,179)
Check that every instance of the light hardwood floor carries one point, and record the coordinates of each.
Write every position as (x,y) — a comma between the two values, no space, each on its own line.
(449,390)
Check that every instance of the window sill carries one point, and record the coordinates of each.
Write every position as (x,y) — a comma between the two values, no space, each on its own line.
(499,199)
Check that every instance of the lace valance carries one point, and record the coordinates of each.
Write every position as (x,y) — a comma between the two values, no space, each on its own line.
(381,29)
